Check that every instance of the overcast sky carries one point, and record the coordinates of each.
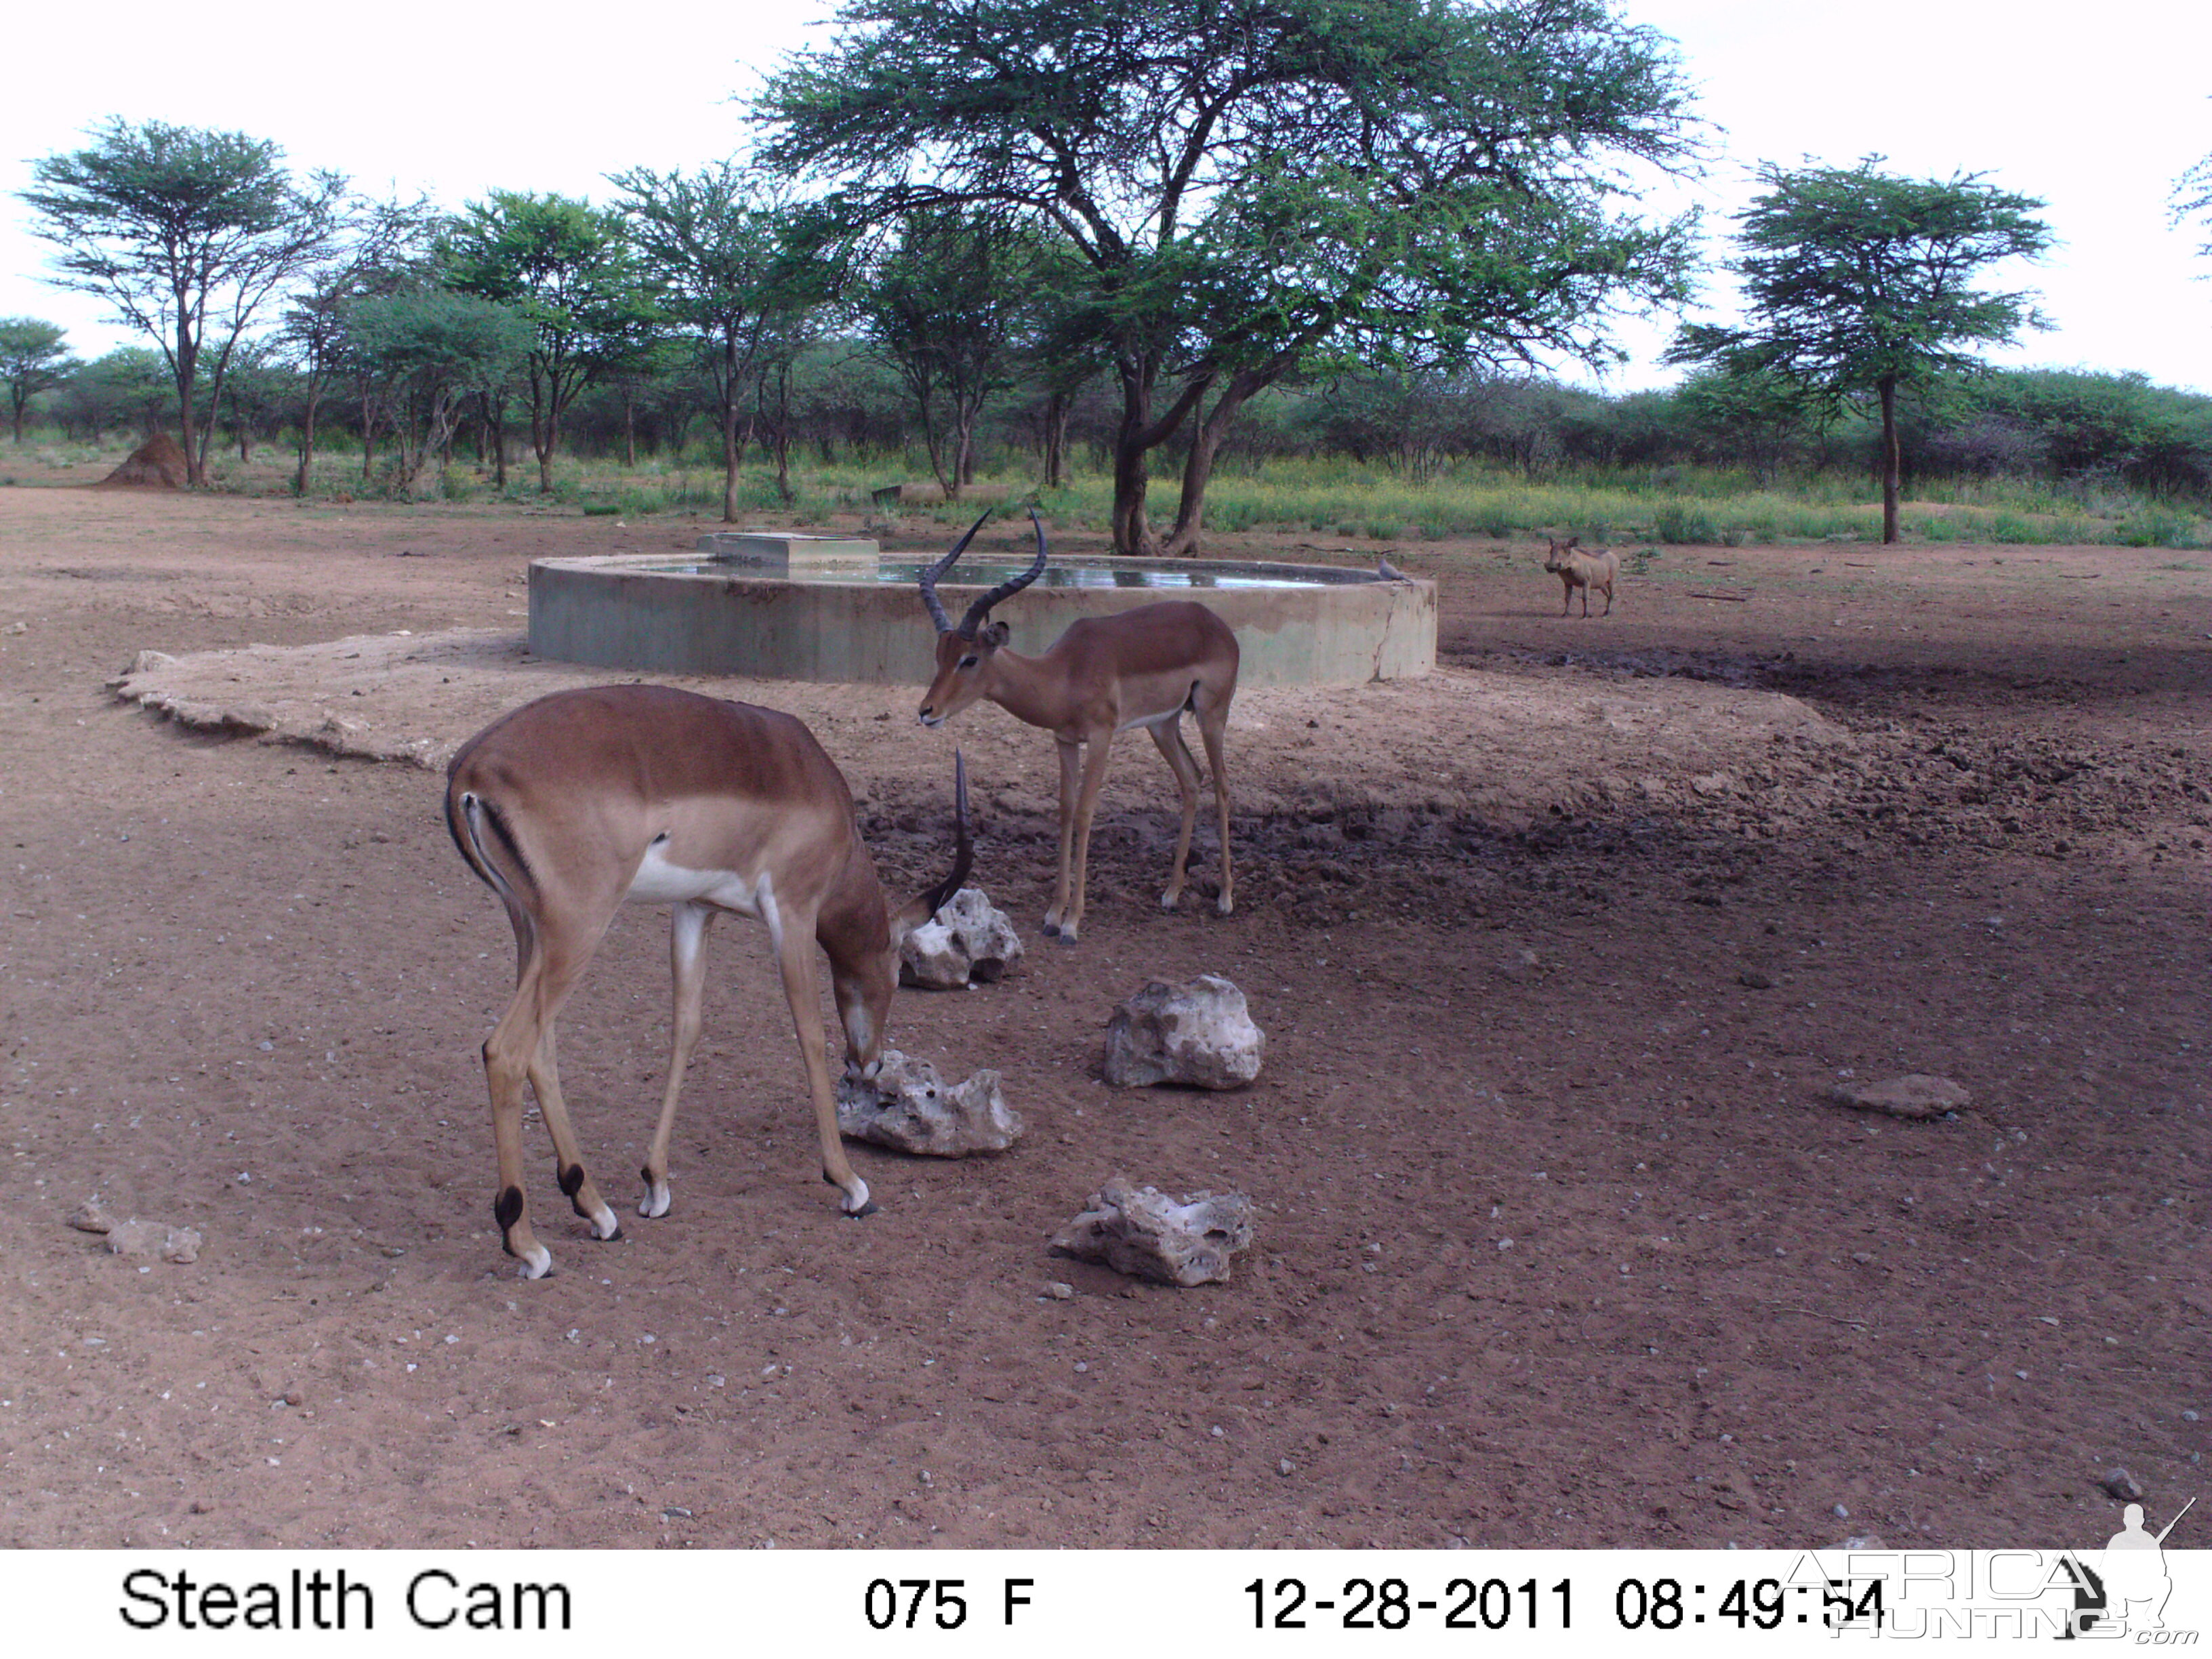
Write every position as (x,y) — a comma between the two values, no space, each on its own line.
(2096,110)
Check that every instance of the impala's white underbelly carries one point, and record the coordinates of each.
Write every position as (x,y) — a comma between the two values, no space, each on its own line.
(660,881)
(1168,719)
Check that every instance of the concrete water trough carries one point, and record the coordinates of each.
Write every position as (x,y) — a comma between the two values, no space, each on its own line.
(771,606)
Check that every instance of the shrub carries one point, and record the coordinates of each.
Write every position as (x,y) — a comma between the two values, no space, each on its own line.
(1679,522)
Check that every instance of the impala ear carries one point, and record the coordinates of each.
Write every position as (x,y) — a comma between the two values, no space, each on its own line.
(995,636)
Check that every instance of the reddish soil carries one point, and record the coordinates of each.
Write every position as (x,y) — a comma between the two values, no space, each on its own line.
(1560,1244)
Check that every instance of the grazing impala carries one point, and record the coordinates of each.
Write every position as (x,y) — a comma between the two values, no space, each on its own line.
(1105,674)
(581,802)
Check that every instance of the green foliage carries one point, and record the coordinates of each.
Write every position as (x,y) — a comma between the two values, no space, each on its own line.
(33,359)
(2192,199)
(567,267)
(129,384)
(185,233)
(1855,277)
(427,351)
(1251,186)
(1855,282)
(1679,522)
(946,304)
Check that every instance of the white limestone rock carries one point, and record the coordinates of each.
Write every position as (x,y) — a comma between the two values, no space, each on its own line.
(135,1237)
(907,1105)
(1200,1034)
(1142,1232)
(1916,1095)
(968,942)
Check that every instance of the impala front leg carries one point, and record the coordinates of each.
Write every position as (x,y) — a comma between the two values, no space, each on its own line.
(1071,767)
(794,943)
(1094,776)
(687,961)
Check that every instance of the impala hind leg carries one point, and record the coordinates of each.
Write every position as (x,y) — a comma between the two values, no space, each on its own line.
(567,1150)
(1212,731)
(794,946)
(520,1050)
(687,966)
(1169,736)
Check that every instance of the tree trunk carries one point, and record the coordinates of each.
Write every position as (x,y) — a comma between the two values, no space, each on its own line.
(782,434)
(1887,386)
(947,480)
(1133,537)
(1055,440)
(305,477)
(186,365)
(496,413)
(629,426)
(18,395)
(1198,466)
(731,455)
(1136,436)
(544,426)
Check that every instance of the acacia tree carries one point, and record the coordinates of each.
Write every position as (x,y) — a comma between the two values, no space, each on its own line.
(566,266)
(1251,184)
(2192,199)
(1857,282)
(946,305)
(380,248)
(186,233)
(33,359)
(719,243)
(431,351)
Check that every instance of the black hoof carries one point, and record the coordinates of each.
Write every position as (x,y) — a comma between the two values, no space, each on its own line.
(614,1236)
(864,1212)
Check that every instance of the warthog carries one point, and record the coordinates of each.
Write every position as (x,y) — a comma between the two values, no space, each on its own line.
(1576,569)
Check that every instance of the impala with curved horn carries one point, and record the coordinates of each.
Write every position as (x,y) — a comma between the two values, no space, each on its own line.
(1141,667)
(575,805)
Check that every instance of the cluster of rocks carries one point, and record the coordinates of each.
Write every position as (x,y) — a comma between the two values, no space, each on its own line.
(1198,1034)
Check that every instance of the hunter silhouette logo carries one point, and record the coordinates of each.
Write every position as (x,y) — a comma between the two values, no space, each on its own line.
(2128,1589)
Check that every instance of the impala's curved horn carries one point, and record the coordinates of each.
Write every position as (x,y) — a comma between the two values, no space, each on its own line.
(929,576)
(980,610)
(963,857)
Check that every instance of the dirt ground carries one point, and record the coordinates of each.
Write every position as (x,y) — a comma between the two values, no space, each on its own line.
(1556,953)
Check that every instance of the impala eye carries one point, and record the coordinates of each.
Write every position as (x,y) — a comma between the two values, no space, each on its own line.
(968,661)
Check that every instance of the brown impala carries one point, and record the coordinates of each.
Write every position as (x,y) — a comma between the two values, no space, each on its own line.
(584,801)
(1105,674)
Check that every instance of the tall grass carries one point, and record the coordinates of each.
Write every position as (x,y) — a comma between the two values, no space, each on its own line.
(1328,497)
